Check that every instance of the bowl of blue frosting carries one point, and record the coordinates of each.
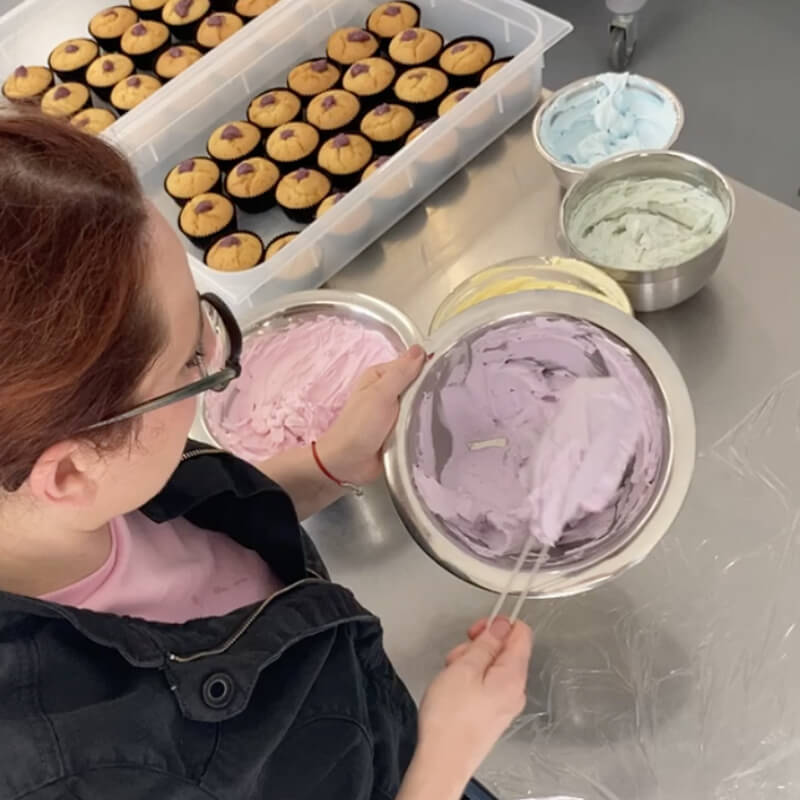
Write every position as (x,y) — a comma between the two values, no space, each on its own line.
(603,116)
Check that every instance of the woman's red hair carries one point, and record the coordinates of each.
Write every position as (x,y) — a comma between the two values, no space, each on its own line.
(77,330)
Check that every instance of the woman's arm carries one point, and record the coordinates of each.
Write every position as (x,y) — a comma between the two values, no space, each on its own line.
(351,449)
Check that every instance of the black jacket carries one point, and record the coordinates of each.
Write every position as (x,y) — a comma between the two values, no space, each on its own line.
(290,699)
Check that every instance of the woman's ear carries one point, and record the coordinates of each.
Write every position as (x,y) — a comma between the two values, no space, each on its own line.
(67,474)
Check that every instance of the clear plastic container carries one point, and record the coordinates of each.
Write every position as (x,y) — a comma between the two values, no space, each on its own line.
(531,274)
(177,126)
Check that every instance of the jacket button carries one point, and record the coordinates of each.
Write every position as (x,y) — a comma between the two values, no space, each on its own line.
(218,690)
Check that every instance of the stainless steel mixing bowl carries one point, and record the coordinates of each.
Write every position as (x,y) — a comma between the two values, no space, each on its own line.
(655,289)
(574,570)
(567,174)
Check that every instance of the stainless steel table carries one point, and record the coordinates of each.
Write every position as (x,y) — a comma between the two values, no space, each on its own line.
(681,679)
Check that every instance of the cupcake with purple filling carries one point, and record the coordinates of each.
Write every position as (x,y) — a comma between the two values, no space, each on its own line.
(174,60)
(93,120)
(148,9)
(105,72)
(348,45)
(250,9)
(374,167)
(273,108)
(465,59)
(313,77)
(344,158)
(279,242)
(328,203)
(232,142)
(387,126)
(450,102)
(422,90)
(143,42)
(108,25)
(66,100)
(300,192)
(70,59)
(251,185)
(217,28)
(415,47)
(389,19)
(206,217)
(27,83)
(494,68)
(128,94)
(193,176)
(370,80)
(333,111)
(183,17)
(235,252)
(293,145)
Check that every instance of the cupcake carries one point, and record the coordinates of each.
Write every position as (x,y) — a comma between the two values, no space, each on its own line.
(216,28)
(422,90)
(293,145)
(94,120)
(348,45)
(27,83)
(175,60)
(143,41)
(300,192)
(206,217)
(193,176)
(70,59)
(494,68)
(389,19)
(333,111)
(415,47)
(370,80)
(105,72)
(312,77)
(273,108)
(65,100)
(464,59)
(419,130)
(251,185)
(374,167)
(387,126)
(148,9)
(233,141)
(183,17)
(279,242)
(344,157)
(107,26)
(235,252)
(328,203)
(129,93)
(452,99)
(250,9)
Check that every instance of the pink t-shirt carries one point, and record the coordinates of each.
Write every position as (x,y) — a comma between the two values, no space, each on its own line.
(170,572)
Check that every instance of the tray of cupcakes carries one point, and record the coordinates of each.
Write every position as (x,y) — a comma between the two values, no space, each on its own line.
(91,62)
(291,155)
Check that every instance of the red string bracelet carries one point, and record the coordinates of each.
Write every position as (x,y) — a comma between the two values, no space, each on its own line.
(357,490)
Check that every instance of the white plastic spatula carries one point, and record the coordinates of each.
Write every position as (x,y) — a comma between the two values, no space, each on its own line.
(577,467)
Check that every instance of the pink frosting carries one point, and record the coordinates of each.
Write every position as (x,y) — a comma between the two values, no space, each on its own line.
(294,383)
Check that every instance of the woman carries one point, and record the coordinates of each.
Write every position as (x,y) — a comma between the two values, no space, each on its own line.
(166,628)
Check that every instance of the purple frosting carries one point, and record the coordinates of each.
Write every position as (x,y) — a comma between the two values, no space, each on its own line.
(359,69)
(329,101)
(320,65)
(409,35)
(139,29)
(381,160)
(301,174)
(383,108)
(215,20)
(108,65)
(338,196)
(461,95)
(186,166)
(61,93)
(230,241)
(134,81)
(175,52)
(203,206)
(342,140)
(267,100)
(230,132)
(245,169)
(21,72)
(288,133)
(182,7)
(458,48)
(391,11)
(71,48)
(358,36)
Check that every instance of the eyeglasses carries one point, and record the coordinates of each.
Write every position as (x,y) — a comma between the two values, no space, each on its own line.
(219,364)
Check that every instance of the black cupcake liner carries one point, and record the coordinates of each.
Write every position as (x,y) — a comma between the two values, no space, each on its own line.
(77,75)
(153,15)
(233,233)
(388,148)
(472,78)
(146,62)
(303,216)
(104,92)
(226,164)
(268,130)
(279,236)
(384,40)
(433,61)
(204,242)
(181,202)
(344,183)
(111,44)
(346,65)
(425,110)
(305,98)
(33,99)
(254,205)
(222,5)
(505,60)
(186,32)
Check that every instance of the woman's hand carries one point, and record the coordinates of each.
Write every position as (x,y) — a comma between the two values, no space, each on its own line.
(468,707)
(351,448)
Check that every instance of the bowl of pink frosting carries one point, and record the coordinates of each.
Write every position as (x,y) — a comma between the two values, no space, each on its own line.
(300,359)
(468,467)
